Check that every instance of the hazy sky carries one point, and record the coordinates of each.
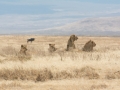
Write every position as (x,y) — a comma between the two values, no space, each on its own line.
(29,15)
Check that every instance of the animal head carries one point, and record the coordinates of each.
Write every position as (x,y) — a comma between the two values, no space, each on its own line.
(52,48)
(73,37)
(76,37)
(93,43)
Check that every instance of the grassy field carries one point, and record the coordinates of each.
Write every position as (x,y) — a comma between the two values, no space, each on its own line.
(61,70)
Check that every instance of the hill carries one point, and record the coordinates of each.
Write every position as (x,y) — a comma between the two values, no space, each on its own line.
(103,26)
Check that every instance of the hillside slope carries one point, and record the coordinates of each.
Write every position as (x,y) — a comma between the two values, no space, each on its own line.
(107,26)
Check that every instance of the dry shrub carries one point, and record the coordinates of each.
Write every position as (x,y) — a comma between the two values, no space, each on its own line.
(21,74)
(96,87)
(44,75)
(110,76)
(113,75)
(63,75)
(18,74)
(117,74)
(87,72)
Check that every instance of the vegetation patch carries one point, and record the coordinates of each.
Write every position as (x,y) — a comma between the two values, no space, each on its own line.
(87,72)
(46,74)
(113,75)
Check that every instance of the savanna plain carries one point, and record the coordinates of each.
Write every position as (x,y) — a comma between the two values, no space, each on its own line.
(60,70)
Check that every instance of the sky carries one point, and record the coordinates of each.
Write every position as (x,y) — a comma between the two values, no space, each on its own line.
(29,15)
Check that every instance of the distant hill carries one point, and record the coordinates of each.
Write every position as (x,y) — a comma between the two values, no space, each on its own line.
(104,26)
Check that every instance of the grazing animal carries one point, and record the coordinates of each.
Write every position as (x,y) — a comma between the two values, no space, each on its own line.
(70,44)
(30,40)
(52,48)
(89,46)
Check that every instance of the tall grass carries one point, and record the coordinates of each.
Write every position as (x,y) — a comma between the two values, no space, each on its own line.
(102,63)
(60,65)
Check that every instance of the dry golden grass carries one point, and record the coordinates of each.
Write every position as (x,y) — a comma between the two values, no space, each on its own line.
(61,70)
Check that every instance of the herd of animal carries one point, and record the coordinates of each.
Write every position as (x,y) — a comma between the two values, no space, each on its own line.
(70,45)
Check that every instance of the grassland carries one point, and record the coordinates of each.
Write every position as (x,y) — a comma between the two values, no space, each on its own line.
(61,70)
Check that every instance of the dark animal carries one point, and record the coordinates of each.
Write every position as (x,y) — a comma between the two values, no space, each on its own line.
(30,40)
(89,46)
(70,43)
(52,48)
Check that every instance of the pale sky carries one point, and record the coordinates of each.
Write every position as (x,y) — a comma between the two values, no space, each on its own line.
(29,15)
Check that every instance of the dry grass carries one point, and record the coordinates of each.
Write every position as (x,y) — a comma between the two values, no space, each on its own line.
(50,69)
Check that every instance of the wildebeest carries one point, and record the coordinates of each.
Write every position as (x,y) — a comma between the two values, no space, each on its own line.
(70,43)
(30,40)
(52,48)
(89,46)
